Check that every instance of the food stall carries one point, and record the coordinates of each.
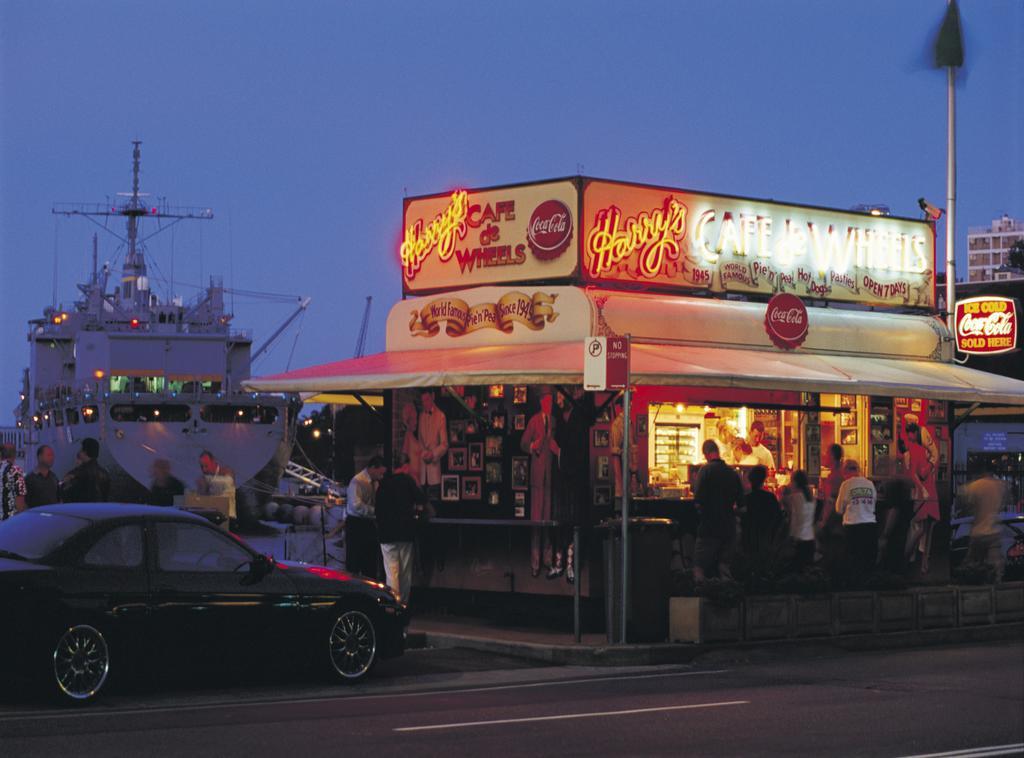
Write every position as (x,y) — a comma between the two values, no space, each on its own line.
(798,325)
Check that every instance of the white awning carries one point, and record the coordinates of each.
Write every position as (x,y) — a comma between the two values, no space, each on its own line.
(662,365)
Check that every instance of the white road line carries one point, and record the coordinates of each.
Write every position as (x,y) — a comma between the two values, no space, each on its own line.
(596,714)
(39,715)
(975,752)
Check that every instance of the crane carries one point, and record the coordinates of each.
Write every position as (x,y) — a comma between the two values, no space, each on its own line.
(361,339)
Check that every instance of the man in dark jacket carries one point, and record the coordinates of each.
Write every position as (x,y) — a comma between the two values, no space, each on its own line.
(88,482)
(396,503)
(717,491)
(42,486)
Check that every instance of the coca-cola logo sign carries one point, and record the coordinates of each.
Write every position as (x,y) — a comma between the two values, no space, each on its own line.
(786,321)
(986,325)
(550,230)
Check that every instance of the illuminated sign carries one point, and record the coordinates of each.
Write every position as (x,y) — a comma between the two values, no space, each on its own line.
(786,321)
(469,238)
(458,317)
(986,325)
(662,237)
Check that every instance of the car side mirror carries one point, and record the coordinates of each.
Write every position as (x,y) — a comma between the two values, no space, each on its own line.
(260,566)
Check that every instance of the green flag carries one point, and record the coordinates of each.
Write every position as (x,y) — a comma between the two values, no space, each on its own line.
(949,46)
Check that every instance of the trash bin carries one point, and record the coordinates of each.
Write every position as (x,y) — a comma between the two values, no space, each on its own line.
(650,579)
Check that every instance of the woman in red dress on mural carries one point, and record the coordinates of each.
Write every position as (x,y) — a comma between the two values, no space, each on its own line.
(921,464)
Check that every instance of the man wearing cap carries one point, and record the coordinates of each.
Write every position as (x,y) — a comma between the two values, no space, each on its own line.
(88,482)
(12,483)
(539,441)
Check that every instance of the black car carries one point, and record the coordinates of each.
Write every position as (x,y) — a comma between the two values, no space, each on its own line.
(89,591)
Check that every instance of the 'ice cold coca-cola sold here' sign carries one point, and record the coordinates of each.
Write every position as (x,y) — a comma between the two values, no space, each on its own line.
(986,325)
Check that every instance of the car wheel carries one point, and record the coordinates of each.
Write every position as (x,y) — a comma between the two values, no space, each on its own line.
(352,646)
(81,662)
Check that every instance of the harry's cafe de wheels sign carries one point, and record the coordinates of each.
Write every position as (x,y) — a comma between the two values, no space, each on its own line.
(590,231)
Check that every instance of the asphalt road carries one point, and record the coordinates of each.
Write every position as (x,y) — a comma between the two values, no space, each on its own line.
(451,703)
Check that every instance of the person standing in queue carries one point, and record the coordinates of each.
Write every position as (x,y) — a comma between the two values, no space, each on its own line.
(42,487)
(362,549)
(12,483)
(165,486)
(539,441)
(800,505)
(88,482)
(985,498)
(856,504)
(573,437)
(762,515)
(397,501)
(717,491)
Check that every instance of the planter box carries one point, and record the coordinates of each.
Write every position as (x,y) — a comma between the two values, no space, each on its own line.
(976,605)
(684,619)
(768,617)
(1008,600)
(936,608)
(897,611)
(812,615)
(853,612)
(720,623)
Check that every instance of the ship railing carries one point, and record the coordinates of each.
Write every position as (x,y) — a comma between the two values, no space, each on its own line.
(311,477)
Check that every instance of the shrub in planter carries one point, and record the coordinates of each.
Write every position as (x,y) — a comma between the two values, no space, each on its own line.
(813,581)
(975,573)
(724,593)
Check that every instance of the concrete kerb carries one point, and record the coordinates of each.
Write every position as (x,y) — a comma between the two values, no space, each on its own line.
(667,653)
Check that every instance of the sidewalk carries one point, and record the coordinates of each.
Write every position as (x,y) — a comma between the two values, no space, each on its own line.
(559,648)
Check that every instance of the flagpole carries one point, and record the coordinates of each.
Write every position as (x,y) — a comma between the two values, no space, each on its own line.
(950,195)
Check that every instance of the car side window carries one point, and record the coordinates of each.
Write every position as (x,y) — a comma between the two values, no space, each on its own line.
(190,547)
(121,547)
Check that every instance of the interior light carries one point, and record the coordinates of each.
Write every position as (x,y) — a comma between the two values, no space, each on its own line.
(98,373)
(241,412)
(156,411)
(679,407)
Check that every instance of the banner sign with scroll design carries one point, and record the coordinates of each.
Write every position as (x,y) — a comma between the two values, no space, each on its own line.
(458,318)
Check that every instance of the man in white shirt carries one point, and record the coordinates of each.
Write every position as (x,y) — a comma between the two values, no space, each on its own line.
(764,455)
(432,433)
(856,503)
(361,546)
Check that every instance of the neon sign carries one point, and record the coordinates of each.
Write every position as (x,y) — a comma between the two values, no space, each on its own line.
(986,325)
(443,232)
(655,235)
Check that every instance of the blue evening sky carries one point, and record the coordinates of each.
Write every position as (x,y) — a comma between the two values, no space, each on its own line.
(303,123)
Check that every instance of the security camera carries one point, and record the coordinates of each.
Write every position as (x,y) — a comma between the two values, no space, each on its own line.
(931,212)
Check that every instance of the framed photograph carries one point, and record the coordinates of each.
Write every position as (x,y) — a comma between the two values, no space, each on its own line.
(476,456)
(850,401)
(450,488)
(603,496)
(520,394)
(520,472)
(641,425)
(498,421)
(520,504)
(496,391)
(471,488)
(848,437)
(457,432)
(604,415)
(604,468)
(494,497)
(493,446)
(456,459)
(519,422)
(492,474)
(602,437)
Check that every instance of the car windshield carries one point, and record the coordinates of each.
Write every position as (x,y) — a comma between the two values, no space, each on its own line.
(33,535)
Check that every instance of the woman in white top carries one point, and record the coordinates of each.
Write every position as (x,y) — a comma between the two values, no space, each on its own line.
(800,506)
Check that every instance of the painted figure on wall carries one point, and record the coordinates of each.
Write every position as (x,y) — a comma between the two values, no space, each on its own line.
(539,441)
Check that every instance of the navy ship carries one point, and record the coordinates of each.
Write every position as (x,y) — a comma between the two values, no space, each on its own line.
(152,379)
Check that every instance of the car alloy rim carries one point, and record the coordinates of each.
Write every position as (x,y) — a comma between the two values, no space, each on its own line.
(81,662)
(353,644)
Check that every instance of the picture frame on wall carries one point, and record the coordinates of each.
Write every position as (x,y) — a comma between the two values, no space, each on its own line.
(456,459)
(520,472)
(494,498)
(450,488)
(602,437)
(520,394)
(476,456)
(519,422)
(471,489)
(498,421)
(496,391)
(519,502)
(848,437)
(493,446)
(492,473)
(641,425)
(457,432)
(602,496)
(603,471)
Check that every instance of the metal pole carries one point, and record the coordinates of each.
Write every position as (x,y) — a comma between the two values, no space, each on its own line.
(951,198)
(625,496)
(576,583)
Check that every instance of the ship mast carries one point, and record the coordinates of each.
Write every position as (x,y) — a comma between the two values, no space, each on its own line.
(134,290)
